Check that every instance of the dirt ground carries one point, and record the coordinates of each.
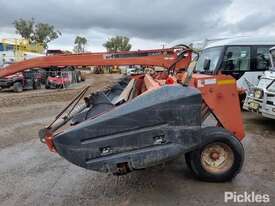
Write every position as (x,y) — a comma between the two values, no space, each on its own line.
(31,175)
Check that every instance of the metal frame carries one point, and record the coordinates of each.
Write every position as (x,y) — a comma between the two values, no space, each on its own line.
(165,58)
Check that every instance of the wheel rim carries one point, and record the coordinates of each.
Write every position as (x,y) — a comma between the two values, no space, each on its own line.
(217,158)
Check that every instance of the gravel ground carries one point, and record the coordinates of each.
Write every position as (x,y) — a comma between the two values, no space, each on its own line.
(31,175)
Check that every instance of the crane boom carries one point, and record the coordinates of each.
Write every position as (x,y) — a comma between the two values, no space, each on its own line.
(158,57)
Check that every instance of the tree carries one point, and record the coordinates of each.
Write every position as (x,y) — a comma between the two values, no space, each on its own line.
(45,33)
(24,28)
(40,33)
(118,43)
(79,44)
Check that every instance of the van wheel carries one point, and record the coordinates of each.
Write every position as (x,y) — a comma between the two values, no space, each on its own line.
(219,158)
(17,87)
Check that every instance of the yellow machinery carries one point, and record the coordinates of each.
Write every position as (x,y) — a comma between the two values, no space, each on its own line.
(20,47)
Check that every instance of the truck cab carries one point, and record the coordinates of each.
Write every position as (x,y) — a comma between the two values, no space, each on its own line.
(261,99)
(244,58)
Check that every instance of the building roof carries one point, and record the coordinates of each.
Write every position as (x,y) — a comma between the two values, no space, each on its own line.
(244,41)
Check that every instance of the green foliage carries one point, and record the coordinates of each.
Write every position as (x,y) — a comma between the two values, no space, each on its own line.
(79,44)
(24,28)
(45,33)
(40,33)
(118,43)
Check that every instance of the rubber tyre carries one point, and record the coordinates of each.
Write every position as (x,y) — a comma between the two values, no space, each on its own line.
(83,77)
(47,84)
(242,98)
(18,87)
(217,135)
(78,76)
(65,86)
(36,84)
(188,160)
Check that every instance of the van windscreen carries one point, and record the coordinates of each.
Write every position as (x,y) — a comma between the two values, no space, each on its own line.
(213,54)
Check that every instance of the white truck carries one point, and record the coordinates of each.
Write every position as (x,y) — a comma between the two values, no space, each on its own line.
(261,98)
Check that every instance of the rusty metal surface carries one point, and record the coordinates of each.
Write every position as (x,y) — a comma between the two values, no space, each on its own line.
(161,58)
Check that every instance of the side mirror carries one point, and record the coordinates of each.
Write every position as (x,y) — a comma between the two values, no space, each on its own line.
(206,64)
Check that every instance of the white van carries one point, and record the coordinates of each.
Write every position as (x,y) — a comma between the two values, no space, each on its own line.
(244,58)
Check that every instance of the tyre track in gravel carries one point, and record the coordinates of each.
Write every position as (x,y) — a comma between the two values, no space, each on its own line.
(97,82)
(23,114)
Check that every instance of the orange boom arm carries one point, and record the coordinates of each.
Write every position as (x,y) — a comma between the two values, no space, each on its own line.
(158,57)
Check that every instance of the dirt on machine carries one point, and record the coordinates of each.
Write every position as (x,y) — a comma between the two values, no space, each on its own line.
(150,119)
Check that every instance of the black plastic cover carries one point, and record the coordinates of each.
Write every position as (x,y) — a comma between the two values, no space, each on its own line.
(150,129)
